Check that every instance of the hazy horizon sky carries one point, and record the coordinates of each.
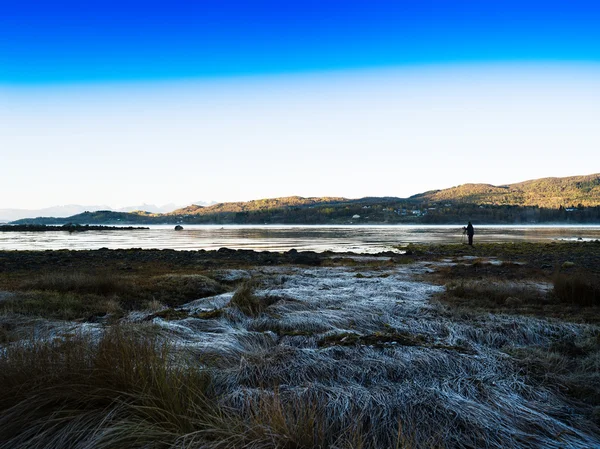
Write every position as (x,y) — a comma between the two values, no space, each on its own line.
(131,102)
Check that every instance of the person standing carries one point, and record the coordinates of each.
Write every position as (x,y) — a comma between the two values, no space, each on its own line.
(470,233)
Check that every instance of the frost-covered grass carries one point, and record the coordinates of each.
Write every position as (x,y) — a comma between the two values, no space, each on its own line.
(305,358)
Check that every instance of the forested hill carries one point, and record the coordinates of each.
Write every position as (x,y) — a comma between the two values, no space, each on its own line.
(545,192)
(549,200)
(290,210)
(257,205)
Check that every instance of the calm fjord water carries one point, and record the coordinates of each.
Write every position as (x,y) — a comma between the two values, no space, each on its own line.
(366,239)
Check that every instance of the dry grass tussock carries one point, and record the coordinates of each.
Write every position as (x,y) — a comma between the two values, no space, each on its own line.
(78,282)
(121,391)
(493,293)
(62,306)
(85,296)
(580,289)
(247,302)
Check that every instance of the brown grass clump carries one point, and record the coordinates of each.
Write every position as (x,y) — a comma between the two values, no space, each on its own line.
(247,302)
(122,391)
(282,420)
(515,298)
(85,296)
(274,421)
(77,282)
(494,293)
(176,289)
(153,305)
(583,290)
(62,306)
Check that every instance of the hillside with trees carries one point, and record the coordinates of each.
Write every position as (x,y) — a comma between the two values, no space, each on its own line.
(552,193)
(550,200)
(256,205)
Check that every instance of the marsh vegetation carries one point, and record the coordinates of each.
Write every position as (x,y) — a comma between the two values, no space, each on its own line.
(435,348)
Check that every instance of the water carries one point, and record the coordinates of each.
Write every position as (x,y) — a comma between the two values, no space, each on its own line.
(365,239)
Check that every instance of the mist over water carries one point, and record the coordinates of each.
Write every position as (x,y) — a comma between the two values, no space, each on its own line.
(356,238)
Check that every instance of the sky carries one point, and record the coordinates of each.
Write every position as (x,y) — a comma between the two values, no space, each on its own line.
(132,102)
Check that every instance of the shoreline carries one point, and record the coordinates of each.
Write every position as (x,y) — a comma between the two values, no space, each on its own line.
(537,253)
(67,228)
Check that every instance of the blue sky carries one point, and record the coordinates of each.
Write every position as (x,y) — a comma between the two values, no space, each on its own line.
(230,100)
(74,41)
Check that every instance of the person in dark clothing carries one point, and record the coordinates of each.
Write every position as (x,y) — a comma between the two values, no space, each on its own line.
(470,232)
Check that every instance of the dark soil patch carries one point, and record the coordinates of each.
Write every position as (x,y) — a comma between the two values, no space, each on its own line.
(381,340)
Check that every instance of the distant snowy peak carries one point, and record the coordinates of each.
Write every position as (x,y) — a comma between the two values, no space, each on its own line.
(69,210)
(149,208)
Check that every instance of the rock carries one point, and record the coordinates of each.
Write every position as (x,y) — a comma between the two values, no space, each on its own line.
(179,228)
(306,258)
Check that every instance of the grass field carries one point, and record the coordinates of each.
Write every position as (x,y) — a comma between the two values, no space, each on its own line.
(433,349)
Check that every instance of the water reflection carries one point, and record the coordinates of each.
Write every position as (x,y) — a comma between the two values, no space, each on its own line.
(282,238)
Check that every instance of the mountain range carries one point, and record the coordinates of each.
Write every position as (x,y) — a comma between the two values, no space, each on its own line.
(69,210)
(575,198)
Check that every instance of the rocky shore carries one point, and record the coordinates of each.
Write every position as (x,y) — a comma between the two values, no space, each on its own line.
(546,257)
(66,227)
(130,259)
